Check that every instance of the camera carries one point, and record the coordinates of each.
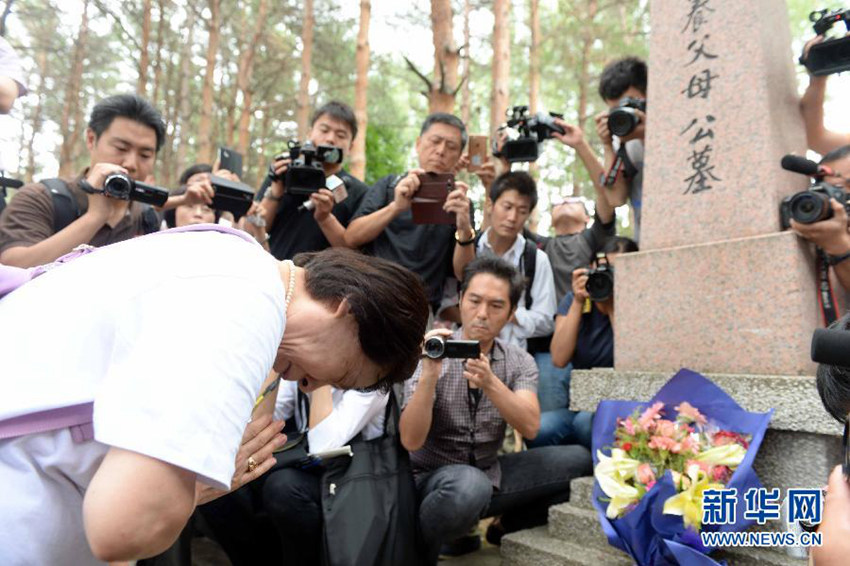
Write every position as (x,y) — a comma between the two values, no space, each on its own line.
(811,205)
(231,196)
(600,280)
(833,55)
(438,348)
(526,133)
(305,174)
(624,119)
(120,186)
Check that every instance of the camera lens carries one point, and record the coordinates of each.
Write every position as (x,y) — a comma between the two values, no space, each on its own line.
(810,207)
(600,285)
(622,121)
(118,186)
(435,347)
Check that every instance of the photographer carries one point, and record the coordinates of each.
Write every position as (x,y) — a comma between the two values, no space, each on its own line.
(293,229)
(513,197)
(818,138)
(622,79)
(454,417)
(43,223)
(584,336)
(116,426)
(384,226)
(831,235)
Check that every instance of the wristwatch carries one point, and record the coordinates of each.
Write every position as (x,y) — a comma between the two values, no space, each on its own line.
(461,242)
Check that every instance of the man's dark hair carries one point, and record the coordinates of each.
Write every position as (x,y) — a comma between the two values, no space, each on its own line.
(619,75)
(834,381)
(518,181)
(338,111)
(130,106)
(836,154)
(387,300)
(449,120)
(496,267)
(620,245)
(194,170)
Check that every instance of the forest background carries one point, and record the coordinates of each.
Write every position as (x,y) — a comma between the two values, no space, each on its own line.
(247,74)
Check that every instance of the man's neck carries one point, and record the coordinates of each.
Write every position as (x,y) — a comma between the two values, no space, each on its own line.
(499,244)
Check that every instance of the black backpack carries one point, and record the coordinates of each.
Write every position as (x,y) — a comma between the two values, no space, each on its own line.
(66,209)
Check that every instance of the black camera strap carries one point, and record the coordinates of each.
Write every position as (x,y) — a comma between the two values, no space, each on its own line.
(826,295)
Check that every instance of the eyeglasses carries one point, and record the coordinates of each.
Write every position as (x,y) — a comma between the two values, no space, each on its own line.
(567,200)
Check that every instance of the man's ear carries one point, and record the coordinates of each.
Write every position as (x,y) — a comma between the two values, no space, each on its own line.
(343,309)
(91,139)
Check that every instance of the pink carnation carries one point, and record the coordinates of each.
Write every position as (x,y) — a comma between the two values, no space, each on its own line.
(645,475)
(691,413)
(721,473)
(664,443)
(650,415)
(666,428)
(690,445)
(704,466)
(629,425)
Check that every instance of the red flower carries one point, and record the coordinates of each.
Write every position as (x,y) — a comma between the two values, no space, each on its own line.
(724,437)
(627,446)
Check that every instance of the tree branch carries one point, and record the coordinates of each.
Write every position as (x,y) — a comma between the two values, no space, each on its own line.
(418,73)
(118,20)
(459,85)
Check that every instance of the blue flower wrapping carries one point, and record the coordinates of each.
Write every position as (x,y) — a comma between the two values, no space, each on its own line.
(645,533)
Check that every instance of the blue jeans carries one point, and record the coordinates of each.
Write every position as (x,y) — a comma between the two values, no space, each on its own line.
(563,426)
(454,498)
(553,386)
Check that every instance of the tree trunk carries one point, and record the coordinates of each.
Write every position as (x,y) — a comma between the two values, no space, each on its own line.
(261,151)
(183,102)
(303,112)
(144,57)
(534,57)
(243,79)
(466,94)
(446,58)
(157,65)
(71,105)
(588,37)
(205,153)
(361,91)
(42,64)
(167,173)
(501,63)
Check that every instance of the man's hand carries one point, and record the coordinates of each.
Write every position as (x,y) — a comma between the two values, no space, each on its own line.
(458,204)
(572,136)
(487,173)
(580,294)
(225,174)
(462,164)
(102,207)
(279,166)
(323,203)
(602,129)
(199,192)
(835,526)
(478,373)
(254,223)
(830,235)
(261,438)
(811,43)
(433,368)
(406,188)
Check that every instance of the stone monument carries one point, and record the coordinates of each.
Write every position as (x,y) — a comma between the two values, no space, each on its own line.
(716,287)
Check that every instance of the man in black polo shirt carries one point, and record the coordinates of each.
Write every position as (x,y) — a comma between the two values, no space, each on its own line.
(292,228)
(384,225)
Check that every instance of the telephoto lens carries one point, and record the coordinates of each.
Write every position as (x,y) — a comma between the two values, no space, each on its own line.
(623,121)
(600,283)
(809,207)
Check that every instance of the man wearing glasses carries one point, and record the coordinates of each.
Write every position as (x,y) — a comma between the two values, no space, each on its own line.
(831,235)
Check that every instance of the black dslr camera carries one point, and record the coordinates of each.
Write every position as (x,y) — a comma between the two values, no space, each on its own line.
(231,196)
(833,55)
(811,205)
(438,348)
(600,280)
(526,133)
(120,186)
(306,175)
(624,119)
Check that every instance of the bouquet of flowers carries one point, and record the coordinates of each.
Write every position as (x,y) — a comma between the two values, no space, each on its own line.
(662,456)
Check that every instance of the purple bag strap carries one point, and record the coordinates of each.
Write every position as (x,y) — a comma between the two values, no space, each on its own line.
(77,417)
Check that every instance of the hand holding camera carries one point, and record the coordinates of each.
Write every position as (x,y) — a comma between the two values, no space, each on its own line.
(830,235)
(628,120)
(305,173)
(822,55)
(458,204)
(277,173)
(525,133)
(406,188)
(478,373)
(600,280)
(580,294)
(573,136)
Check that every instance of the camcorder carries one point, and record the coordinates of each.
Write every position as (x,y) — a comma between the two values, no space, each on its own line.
(438,348)
(526,133)
(600,280)
(811,205)
(623,119)
(306,174)
(122,187)
(231,196)
(833,55)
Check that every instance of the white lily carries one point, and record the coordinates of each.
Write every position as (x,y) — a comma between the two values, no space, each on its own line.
(612,473)
(727,455)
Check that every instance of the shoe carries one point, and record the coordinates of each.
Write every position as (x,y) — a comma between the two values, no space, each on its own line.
(495,532)
(461,546)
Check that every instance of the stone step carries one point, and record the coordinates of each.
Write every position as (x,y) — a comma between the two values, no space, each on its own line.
(572,524)
(535,547)
(581,492)
(757,557)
